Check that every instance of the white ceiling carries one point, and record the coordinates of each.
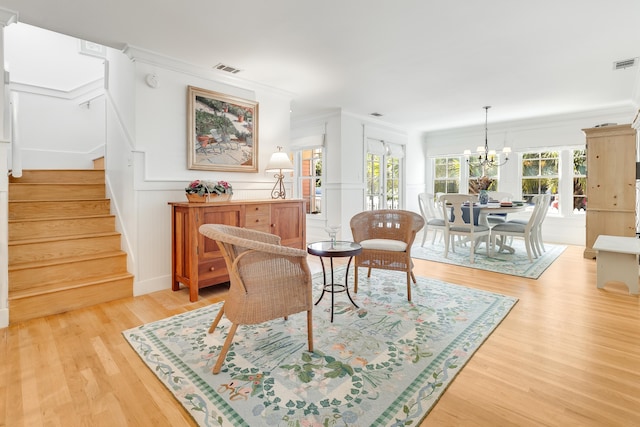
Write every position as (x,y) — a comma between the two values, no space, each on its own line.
(423,64)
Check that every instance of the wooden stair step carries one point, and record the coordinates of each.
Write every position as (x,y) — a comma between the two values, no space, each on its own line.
(29,209)
(60,227)
(26,305)
(51,248)
(69,176)
(63,286)
(40,191)
(41,273)
(64,249)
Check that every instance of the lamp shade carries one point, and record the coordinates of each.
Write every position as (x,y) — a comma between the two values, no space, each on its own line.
(279,161)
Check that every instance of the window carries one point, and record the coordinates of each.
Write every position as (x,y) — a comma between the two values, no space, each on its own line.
(311,179)
(384,165)
(447,175)
(540,176)
(373,181)
(393,183)
(476,171)
(579,181)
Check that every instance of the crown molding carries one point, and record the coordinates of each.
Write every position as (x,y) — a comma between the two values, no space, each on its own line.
(595,115)
(141,55)
(8,17)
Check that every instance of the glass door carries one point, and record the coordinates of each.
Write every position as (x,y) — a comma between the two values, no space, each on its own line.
(383,181)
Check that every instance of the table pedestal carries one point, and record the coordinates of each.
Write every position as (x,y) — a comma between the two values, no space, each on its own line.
(333,249)
(331,287)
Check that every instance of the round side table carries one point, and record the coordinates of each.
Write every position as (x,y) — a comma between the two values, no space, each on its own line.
(331,250)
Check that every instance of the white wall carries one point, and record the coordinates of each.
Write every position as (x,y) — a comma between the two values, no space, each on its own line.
(46,59)
(522,136)
(415,168)
(119,151)
(344,166)
(159,156)
(58,132)
(59,91)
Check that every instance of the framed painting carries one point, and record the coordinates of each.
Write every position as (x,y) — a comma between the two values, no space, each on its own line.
(222,132)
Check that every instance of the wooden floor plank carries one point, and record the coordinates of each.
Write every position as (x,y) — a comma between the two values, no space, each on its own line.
(567,354)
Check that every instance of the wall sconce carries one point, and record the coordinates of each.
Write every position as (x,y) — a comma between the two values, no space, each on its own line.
(279,162)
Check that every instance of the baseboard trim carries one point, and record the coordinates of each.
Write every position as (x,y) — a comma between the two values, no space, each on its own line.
(4,318)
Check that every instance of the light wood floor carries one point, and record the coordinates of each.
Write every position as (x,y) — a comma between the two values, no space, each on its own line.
(568,354)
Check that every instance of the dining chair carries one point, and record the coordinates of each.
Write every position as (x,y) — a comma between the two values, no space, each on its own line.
(525,229)
(543,216)
(455,206)
(267,280)
(432,216)
(538,242)
(499,196)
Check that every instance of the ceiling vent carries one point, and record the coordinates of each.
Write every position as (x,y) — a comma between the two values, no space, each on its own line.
(227,69)
(627,63)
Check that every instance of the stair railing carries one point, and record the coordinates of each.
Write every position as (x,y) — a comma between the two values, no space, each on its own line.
(16,152)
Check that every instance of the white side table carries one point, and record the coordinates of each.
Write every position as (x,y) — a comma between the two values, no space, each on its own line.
(617,260)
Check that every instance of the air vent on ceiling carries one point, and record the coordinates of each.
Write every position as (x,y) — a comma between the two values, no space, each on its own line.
(227,69)
(376,114)
(627,63)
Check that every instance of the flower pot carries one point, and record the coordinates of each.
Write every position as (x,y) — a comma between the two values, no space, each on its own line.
(483,197)
(196,198)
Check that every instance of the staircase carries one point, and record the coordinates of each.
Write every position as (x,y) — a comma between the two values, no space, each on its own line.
(64,252)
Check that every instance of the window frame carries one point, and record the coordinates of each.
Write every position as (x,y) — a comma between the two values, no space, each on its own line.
(390,182)
(312,200)
(527,196)
(447,179)
(582,176)
(493,174)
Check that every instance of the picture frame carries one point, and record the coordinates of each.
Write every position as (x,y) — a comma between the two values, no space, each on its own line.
(222,132)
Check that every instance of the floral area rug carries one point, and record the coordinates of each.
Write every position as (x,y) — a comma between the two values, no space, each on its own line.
(384,363)
(515,264)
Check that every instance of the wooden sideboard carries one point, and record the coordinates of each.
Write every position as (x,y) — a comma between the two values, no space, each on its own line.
(196,261)
(611,183)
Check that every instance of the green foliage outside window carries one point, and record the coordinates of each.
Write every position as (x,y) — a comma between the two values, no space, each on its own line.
(579,180)
(393,183)
(540,174)
(447,175)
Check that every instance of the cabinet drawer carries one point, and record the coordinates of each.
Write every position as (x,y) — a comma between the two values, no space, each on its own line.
(258,217)
(259,210)
(212,271)
(257,222)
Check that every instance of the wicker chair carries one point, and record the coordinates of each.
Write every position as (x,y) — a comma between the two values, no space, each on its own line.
(268,280)
(386,237)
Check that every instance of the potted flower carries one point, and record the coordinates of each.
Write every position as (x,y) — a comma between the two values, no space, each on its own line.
(202,190)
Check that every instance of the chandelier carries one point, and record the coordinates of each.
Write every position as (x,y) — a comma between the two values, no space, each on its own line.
(485,157)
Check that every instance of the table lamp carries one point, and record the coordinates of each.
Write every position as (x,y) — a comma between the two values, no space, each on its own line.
(279,162)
